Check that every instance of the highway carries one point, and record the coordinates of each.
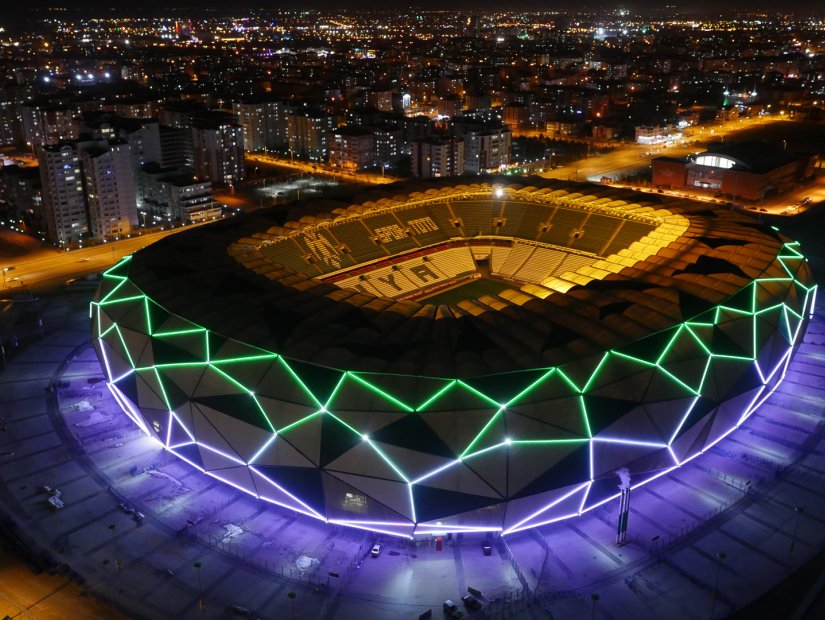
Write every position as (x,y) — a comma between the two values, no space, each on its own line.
(48,268)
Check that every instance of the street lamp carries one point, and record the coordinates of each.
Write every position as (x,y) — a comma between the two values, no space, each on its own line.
(292,596)
(197,566)
(798,510)
(720,556)
(594,597)
(117,560)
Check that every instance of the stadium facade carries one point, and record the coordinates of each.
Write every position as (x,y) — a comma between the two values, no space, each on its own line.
(309,364)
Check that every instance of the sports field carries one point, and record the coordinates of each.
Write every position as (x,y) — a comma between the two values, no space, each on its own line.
(471,290)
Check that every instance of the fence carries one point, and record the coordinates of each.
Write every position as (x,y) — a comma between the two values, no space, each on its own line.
(508,552)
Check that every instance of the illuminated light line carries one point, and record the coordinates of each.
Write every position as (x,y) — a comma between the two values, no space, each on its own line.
(789,331)
(596,371)
(370,528)
(750,408)
(673,456)
(547,507)
(241,360)
(366,522)
(113,290)
(312,512)
(436,528)
(435,472)
(813,302)
(262,449)
(102,346)
(263,412)
(380,392)
(300,382)
(683,420)
(162,390)
(585,417)
(705,374)
(585,495)
(513,530)
(292,425)
(352,428)
(125,348)
(182,332)
(412,502)
(482,432)
(334,392)
(121,300)
(233,380)
(126,407)
(435,396)
(530,387)
(568,380)
(671,343)
(633,359)
(590,458)
(183,426)
(515,442)
(786,355)
(124,375)
(169,429)
(226,455)
(629,442)
(386,459)
(696,336)
(470,388)
(147,316)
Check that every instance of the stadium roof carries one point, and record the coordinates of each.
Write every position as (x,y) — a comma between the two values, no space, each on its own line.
(693,256)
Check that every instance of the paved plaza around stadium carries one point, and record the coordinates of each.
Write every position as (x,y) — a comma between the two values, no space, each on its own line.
(65,431)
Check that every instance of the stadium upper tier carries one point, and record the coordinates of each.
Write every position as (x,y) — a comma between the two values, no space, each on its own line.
(592,268)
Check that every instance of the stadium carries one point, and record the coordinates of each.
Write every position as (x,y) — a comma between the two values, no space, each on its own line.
(451,356)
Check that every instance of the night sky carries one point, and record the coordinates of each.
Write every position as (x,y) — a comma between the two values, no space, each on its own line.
(174,6)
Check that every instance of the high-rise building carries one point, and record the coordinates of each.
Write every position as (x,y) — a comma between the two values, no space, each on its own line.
(218,148)
(48,124)
(437,157)
(166,194)
(64,203)
(109,183)
(8,118)
(307,132)
(264,125)
(175,147)
(351,148)
(389,144)
(21,197)
(486,149)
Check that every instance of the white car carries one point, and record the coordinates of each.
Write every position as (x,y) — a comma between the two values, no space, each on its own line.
(376,551)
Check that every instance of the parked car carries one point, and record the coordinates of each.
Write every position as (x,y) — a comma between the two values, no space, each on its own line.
(376,551)
(471,602)
(486,547)
(452,610)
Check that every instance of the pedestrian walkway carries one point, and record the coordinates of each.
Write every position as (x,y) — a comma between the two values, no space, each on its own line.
(703,540)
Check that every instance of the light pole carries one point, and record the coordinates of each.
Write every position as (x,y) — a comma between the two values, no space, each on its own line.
(197,566)
(292,596)
(720,556)
(798,510)
(594,597)
(117,560)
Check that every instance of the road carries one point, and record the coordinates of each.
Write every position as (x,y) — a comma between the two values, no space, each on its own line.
(46,268)
(632,158)
(313,168)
